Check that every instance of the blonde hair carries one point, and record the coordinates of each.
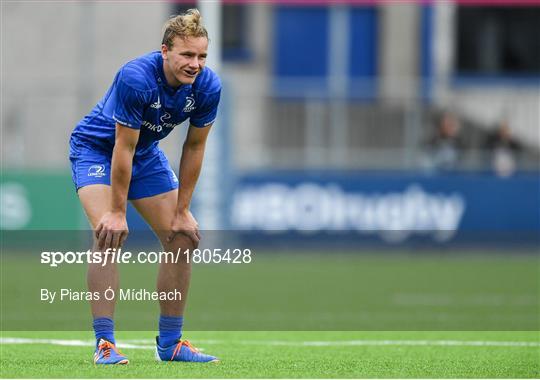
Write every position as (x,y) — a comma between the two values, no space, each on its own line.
(188,24)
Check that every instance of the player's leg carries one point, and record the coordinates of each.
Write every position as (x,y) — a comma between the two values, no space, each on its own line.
(95,200)
(91,177)
(154,193)
(155,196)
(159,211)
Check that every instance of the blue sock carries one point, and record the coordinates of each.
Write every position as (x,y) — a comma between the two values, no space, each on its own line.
(104,328)
(170,330)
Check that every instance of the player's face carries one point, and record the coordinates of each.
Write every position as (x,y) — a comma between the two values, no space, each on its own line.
(184,60)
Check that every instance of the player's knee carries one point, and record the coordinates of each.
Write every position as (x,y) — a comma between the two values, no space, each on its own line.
(179,243)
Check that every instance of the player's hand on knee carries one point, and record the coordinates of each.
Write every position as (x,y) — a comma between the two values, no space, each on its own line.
(184,223)
(111,231)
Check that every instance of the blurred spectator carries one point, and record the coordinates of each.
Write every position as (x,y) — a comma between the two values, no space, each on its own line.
(445,148)
(503,150)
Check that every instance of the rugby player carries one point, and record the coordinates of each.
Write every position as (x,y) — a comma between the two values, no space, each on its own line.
(115,157)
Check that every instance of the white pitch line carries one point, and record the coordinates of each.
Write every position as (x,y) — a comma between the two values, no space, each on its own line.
(337,343)
(67,342)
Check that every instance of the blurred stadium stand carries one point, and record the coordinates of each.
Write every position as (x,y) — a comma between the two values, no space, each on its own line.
(326,87)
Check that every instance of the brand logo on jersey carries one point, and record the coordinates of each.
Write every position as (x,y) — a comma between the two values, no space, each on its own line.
(190,104)
(164,120)
(166,116)
(156,105)
(97,171)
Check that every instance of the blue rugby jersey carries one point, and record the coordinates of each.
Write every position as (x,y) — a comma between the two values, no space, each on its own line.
(140,98)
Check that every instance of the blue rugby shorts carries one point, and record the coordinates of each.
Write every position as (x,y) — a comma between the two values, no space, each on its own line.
(151,174)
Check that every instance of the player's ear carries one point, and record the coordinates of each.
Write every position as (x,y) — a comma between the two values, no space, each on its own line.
(164,51)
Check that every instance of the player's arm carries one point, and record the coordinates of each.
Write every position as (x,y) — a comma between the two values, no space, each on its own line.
(112,229)
(121,166)
(190,168)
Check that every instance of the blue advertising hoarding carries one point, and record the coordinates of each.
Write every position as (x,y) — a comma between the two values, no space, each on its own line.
(388,207)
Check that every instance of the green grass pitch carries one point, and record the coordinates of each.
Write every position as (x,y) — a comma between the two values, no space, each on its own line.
(256,354)
(366,316)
